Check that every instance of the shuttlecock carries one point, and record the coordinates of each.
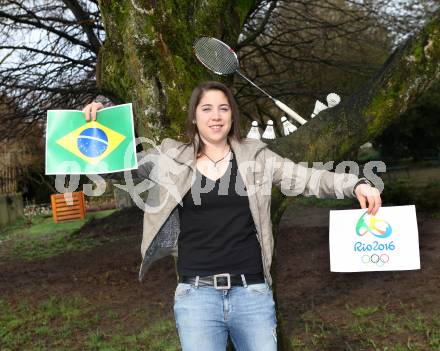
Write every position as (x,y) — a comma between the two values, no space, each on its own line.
(269,132)
(254,133)
(319,106)
(333,99)
(288,127)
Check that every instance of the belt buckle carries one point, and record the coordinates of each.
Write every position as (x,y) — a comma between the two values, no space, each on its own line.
(227,275)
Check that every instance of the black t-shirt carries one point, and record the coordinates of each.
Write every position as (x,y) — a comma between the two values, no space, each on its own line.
(218,233)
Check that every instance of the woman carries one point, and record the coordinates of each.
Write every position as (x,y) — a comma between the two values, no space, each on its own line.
(221,225)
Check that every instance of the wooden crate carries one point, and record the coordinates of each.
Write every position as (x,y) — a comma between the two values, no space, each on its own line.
(63,210)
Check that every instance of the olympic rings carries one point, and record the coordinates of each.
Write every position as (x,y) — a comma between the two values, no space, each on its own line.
(376,259)
(384,258)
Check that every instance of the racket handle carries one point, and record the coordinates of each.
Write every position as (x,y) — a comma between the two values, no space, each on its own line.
(289,111)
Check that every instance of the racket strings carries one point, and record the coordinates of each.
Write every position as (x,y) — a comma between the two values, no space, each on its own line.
(216,56)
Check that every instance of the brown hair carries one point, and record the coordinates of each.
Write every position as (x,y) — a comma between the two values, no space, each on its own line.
(196,96)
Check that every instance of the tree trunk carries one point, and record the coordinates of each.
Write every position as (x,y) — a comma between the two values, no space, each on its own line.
(147,59)
(147,56)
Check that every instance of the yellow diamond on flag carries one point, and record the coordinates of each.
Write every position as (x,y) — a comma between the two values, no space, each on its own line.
(91,142)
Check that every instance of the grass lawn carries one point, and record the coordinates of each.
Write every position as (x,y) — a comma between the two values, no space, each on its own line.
(43,238)
(72,323)
(385,327)
(379,321)
(79,320)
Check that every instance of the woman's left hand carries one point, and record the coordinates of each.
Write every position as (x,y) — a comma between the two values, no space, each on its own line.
(366,193)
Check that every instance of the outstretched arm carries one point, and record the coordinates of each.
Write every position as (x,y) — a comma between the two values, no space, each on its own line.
(295,179)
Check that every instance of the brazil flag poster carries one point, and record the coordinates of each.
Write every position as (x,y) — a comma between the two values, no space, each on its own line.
(75,146)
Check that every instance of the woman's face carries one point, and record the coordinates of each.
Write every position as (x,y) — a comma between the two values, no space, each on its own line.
(214,117)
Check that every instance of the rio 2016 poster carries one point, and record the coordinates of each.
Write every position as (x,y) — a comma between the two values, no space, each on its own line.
(388,241)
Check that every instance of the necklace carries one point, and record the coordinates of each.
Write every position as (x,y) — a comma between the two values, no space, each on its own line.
(215,162)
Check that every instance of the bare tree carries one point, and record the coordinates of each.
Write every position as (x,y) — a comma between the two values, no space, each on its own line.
(48,56)
(50,50)
(302,50)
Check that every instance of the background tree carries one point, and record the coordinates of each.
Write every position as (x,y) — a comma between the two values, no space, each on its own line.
(416,135)
(49,50)
(19,157)
(48,56)
(309,49)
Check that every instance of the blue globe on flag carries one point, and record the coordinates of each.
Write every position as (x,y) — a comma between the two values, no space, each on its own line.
(92,142)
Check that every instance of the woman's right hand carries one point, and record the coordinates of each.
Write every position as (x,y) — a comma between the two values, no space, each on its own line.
(90,110)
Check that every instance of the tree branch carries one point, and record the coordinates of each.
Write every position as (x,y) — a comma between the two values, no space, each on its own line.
(37,24)
(50,53)
(409,73)
(85,22)
(255,33)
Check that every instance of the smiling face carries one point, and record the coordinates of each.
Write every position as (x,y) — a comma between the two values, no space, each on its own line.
(214,117)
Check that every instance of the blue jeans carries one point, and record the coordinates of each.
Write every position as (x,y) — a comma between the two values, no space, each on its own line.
(205,315)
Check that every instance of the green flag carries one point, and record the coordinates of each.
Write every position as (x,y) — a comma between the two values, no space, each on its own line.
(75,146)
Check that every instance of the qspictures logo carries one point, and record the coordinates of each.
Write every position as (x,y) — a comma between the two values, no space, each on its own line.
(378,251)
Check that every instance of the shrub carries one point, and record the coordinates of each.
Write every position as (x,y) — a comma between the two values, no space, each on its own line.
(404,192)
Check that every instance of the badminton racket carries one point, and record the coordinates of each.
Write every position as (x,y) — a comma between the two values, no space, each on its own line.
(221,59)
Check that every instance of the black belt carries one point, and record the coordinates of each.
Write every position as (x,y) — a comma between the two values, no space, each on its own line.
(224,280)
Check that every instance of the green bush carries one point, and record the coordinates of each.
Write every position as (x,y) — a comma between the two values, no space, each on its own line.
(428,198)
(399,192)
(404,192)
(368,154)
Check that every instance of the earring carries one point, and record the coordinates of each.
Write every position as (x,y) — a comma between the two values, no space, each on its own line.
(193,121)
